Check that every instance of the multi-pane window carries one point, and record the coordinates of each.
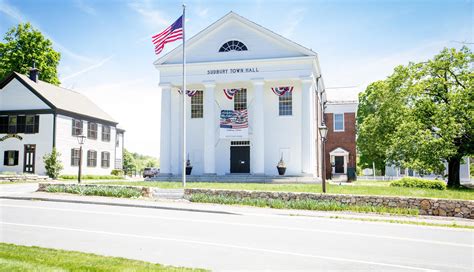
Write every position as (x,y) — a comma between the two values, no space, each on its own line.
(338,122)
(76,127)
(285,104)
(91,158)
(233,46)
(10,157)
(30,124)
(91,130)
(12,121)
(105,133)
(105,159)
(19,124)
(75,156)
(240,100)
(197,105)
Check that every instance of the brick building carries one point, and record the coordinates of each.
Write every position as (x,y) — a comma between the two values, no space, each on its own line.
(340,118)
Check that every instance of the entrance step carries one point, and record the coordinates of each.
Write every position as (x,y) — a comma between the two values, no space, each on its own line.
(168,193)
(244,178)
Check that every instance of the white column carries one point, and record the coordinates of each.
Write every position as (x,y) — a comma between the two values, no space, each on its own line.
(306,125)
(210,118)
(257,150)
(165,140)
(176,136)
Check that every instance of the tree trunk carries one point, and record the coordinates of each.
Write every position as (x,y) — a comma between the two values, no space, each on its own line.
(453,172)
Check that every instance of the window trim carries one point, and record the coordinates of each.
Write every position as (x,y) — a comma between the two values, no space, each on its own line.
(73,158)
(334,122)
(91,162)
(280,102)
(246,99)
(6,156)
(199,93)
(75,128)
(102,159)
(90,131)
(103,133)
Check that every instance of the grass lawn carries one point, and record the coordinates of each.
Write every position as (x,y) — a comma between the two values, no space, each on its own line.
(357,188)
(23,258)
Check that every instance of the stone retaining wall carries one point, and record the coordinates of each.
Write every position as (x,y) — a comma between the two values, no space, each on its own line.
(145,191)
(425,206)
(25,177)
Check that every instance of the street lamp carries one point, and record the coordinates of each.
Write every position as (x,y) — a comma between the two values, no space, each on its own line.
(323,130)
(80,139)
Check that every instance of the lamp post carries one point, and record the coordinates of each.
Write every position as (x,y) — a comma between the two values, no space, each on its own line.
(80,139)
(323,130)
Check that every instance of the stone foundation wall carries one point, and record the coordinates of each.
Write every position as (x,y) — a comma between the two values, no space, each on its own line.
(425,206)
(24,178)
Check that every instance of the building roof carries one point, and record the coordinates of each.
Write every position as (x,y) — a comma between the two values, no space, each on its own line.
(234,16)
(348,94)
(63,100)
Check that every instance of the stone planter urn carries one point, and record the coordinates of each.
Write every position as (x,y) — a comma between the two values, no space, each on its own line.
(281,166)
(189,167)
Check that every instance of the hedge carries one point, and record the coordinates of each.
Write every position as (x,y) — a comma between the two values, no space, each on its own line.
(91,177)
(410,182)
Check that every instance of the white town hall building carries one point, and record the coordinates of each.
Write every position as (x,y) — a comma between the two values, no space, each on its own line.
(254,97)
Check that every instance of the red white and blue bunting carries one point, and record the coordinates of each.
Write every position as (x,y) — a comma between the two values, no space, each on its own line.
(279,91)
(229,93)
(190,93)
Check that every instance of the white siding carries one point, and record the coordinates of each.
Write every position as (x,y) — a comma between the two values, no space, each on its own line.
(43,141)
(65,142)
(15,96)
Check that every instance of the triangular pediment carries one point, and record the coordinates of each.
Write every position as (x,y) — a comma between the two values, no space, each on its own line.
(261,43)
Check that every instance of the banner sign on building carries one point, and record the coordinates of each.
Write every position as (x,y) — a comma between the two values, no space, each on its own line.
(234,124)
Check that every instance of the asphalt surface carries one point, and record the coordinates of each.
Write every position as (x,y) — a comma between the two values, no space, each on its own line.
(251,240)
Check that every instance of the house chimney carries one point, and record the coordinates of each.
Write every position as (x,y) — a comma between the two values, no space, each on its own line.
(34,72)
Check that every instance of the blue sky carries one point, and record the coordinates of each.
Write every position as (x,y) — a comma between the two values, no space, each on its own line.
(107,53)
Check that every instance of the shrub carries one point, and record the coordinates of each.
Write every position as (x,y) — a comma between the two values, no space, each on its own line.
(90,177)
(409,182)
(117,172)
(112,191)
(52,164)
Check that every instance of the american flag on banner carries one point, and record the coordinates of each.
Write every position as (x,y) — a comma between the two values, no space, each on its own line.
(173,33)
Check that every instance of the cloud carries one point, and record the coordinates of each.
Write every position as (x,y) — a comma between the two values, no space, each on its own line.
(84,7)
(292,20)
(15,14)
(151,15)
(87,69)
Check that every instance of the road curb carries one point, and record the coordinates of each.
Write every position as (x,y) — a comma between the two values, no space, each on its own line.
(130,205)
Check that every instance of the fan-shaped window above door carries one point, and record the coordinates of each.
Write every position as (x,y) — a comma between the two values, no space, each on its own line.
(233,46)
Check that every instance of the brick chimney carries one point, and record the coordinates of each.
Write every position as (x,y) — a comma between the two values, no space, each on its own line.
(34,72)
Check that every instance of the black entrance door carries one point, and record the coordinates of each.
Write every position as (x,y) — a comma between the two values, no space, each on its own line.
(339,163)
(29,159)
(240,159)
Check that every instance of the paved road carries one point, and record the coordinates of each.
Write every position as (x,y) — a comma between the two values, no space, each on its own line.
(246,241)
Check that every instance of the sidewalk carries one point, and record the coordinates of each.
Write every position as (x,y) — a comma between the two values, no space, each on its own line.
(184,205)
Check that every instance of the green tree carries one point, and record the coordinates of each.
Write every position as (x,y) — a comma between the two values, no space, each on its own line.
(52,164)
(378,116)
(24,45)
(128,161)
(421,116)
(438,124)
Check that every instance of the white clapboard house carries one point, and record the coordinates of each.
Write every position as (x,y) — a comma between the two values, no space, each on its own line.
(253,98)
(36,116)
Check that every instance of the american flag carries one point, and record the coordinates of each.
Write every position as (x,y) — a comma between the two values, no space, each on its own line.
(173,33)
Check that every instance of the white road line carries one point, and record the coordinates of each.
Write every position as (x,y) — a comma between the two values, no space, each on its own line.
(469,245)
(219,245)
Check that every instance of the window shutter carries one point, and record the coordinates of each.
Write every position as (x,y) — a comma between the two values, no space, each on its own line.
(37,122)
(72,156)
(21,124)
(16,157)
(5,158)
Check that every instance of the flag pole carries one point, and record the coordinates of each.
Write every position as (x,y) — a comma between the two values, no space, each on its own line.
(184,98)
